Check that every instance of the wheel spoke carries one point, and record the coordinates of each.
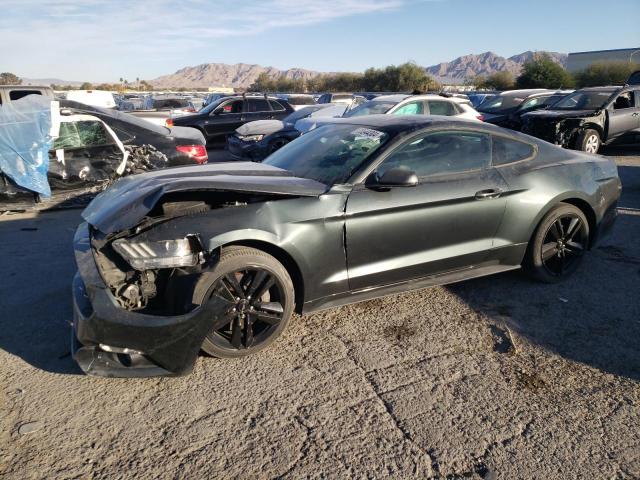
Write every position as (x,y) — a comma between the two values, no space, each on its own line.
(574,227)
(231,279)
(272,307)
(270,318)
(559,227)
(248,331)
(257,280)
(574,247)
(265,287)
(224,302)
(549,250)
(236,333)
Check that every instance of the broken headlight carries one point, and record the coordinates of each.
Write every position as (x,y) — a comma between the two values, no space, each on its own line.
(185,252)
(251,138)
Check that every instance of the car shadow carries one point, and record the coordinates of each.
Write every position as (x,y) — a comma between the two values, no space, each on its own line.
(593,317)
(35,288)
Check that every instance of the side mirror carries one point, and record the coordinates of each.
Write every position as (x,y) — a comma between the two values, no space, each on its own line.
(395,177)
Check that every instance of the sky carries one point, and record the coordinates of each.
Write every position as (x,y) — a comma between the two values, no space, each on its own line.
(103,40)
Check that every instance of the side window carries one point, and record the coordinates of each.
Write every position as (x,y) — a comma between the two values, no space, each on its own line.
(413,108)
(506,150)
(438,107)
(624,100)
(258,105)
(232,106)
(18,94)
(441,153)
(276,106)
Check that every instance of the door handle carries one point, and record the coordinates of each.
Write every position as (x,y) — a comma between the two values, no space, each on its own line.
(491,193)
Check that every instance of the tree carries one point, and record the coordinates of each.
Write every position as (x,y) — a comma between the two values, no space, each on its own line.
(605,73)
(7,78)
(498,81)
(542,72)
(86,86)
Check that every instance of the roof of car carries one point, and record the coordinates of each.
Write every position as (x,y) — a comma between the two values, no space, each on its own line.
(524,92)
(429,96)
(402,122)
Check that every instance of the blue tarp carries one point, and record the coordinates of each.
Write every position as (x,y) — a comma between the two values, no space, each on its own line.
(25,142)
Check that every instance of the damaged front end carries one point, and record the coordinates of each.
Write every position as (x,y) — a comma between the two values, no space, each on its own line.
(147,241)
(562,128)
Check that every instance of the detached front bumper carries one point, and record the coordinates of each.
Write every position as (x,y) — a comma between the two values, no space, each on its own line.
(108,340)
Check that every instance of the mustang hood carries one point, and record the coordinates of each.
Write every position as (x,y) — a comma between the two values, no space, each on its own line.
(124,204)
(260,127)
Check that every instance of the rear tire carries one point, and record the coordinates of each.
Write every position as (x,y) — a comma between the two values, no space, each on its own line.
(257,295)
(589,141)
(558,244)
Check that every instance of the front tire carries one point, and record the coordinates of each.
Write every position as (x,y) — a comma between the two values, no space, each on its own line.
(589,141)
(258,298)
(558,244)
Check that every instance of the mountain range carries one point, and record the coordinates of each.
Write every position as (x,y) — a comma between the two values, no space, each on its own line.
(242,75)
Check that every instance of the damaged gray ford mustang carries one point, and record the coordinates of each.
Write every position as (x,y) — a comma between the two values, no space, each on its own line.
(217,258)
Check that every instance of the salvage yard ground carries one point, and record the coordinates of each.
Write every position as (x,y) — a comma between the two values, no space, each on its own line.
(497,377)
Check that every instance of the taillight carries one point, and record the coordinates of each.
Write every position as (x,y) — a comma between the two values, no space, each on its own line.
(197,152)
(480,117)
(191,110)
(168,122)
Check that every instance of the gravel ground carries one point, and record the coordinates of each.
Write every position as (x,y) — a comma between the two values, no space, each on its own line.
(492,378)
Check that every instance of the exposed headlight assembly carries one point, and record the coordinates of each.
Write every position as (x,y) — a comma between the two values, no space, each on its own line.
(251,138)
(185,252)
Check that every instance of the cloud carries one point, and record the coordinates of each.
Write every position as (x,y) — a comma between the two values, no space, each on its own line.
(89,32)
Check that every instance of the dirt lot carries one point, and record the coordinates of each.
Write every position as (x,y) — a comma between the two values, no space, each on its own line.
(491,378)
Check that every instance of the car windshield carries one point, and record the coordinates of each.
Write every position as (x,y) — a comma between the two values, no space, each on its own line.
(329,154)
(500,104)
(371,107)
(584,100)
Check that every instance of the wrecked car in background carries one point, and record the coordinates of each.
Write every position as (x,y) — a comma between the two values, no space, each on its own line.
(54,155)
(218,257)
(180,145)
(257,140)
(589,118)
(506,109)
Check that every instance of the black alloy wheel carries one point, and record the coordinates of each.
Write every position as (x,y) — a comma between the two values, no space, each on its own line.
(256,297)
(564,243)
(558,244)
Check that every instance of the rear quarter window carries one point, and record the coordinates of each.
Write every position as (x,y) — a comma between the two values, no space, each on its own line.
(507,150)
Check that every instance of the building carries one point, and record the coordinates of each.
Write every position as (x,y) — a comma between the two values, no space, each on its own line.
(580,60)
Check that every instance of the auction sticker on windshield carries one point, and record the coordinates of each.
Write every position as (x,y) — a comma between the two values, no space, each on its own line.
(367,134)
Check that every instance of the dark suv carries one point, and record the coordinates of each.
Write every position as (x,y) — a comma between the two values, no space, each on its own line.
(225,115)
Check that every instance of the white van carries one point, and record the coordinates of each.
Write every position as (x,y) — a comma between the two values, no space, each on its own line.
(97,98)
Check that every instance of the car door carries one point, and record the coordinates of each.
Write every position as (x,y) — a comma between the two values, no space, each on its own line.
(445,223)
(224,120)
(624,115)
